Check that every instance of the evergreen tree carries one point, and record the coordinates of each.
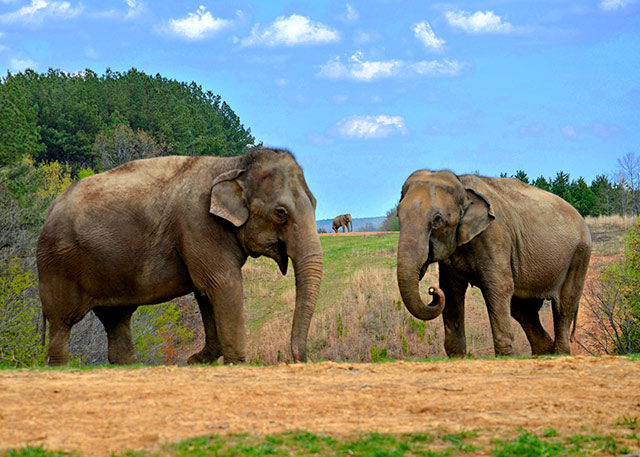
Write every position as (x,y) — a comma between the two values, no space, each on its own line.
(56,116)
(560,186)
(522,176)
(603,195)
(583,197)
(542,183)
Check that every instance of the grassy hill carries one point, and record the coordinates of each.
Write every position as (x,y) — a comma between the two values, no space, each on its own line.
(360,224)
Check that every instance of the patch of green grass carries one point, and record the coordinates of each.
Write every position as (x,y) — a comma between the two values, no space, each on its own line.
(302,443)
(628,422)
(34,452)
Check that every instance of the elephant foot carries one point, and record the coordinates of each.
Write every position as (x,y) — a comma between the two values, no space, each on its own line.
(506,351)
(542,349)
(204,356)
(124,360)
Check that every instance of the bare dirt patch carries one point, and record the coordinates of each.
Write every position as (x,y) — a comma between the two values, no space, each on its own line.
(97,412)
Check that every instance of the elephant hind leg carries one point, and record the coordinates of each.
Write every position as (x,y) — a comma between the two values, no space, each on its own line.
(565,310)
(117,323)
(62,313)
(526,312)
(58,349)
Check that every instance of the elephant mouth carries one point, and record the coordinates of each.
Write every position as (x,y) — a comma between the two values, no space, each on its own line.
(423,270)
(283,259)
(429,261)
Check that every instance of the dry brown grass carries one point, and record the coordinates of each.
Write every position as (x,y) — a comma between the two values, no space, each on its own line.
(365,321)
(607,222)
(360,316)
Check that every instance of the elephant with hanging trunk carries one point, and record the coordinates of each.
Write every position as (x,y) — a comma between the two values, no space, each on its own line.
(519,244)
(155,229)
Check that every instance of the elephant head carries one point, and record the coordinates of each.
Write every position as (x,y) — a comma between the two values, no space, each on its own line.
(437,214)
(268,200)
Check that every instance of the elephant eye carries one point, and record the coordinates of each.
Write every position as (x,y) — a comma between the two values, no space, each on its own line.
(437,221)
(281,214)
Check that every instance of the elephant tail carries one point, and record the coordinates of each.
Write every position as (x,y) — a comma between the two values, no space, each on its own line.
(575,324)
(43,333)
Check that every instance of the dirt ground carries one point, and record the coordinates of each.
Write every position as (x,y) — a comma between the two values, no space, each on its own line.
(100,411)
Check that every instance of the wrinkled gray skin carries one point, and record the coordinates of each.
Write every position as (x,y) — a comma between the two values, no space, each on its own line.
(344,221)
(155,229)
(519,244)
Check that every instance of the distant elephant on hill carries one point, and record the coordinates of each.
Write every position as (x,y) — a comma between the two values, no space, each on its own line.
(519,244)
(154,229)
(344,220)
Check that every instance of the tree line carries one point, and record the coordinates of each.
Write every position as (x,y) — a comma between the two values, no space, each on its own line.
(91,121)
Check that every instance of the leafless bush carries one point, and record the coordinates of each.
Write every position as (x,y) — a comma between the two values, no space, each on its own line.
(123,145)
(611,328)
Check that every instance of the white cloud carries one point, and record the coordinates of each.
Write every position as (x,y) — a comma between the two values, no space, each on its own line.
(569,131)
(352,13)
(41,9)
(198,25)
(612,5)
(424,33)
(359,70)
(362,70)
(291,31)
(446,67)
(18,65)
(371,127)
(478,22)
(135,8)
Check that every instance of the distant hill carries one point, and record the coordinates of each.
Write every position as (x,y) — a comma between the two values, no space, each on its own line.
(361,224)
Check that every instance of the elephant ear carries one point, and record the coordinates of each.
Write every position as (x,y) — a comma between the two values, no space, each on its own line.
(477,216)
(227,197)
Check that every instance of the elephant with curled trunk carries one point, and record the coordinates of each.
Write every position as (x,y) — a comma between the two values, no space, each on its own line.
(519,244)
(154,229)
(343,221)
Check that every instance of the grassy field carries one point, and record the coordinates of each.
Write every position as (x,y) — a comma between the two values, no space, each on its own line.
(359,316)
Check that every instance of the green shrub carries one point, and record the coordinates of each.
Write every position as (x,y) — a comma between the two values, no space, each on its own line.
(159,331)
(20,315)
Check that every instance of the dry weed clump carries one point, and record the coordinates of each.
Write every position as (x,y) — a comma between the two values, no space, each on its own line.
(614,221)
(369,323)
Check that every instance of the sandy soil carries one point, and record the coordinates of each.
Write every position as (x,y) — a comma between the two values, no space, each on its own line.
(97,412)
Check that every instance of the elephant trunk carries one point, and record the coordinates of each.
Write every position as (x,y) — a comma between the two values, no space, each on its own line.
(307,265)
(413,253)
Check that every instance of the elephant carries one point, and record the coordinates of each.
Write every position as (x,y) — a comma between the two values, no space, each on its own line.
(344,220)
(519,244)
(154,229)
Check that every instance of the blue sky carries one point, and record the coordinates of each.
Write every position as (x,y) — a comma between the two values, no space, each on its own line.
(365,92)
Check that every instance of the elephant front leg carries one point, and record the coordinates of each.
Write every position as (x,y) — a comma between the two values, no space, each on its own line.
(212,349)
(455,341)
(229,319)
(497,295)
